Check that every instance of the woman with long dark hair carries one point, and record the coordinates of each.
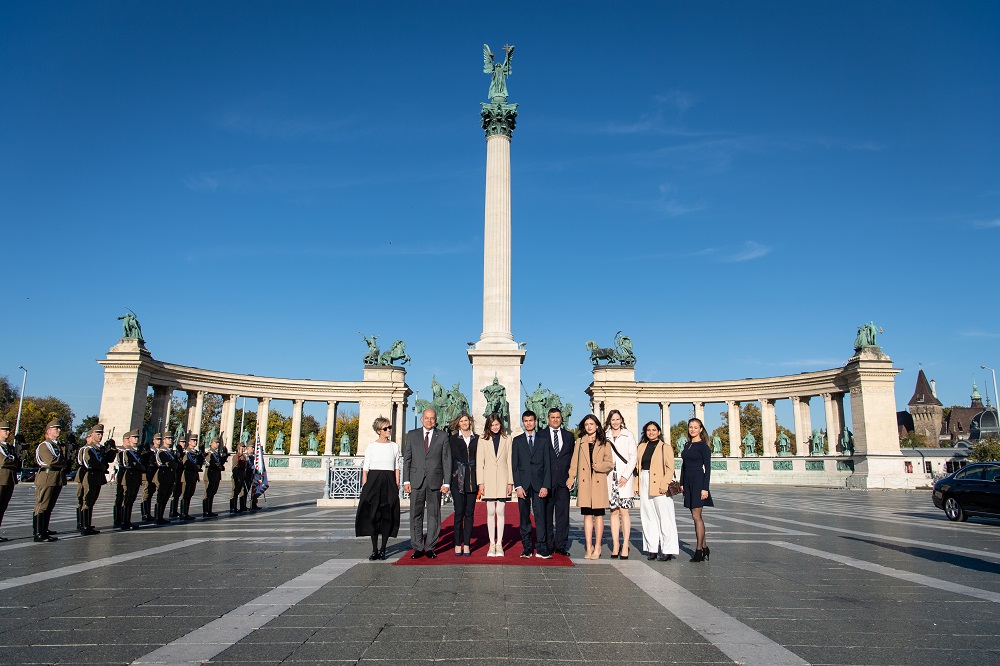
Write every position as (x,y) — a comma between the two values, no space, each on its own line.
(589,469)
(696,472)
(378,507)
(656,508)
(464,444)
(496,480)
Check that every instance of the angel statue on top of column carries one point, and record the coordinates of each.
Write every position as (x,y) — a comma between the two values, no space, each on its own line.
(500,72)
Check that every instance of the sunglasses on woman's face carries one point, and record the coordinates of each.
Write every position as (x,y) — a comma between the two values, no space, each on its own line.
(385,428)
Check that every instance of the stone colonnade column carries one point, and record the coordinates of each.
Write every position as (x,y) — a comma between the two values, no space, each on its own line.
(831,423)
(158,415)
(399,423)
(769,427)
(664,422)
(199,409)
(263,409)
(838,412)
(735,436)
(805,416)
(699,412)
(296,426)
(192,401)
(797,424)
(229,418)
(331,427)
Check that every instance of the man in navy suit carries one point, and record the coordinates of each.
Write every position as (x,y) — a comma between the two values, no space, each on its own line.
(426,470)
(559,442)
(530,462)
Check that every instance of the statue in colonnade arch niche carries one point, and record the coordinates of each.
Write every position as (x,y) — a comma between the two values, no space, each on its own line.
(784,445)
(395,353)
(179,434)
(212,434)
(345,445)
(540,401)
(621,353)
(245,438)
(866,336)
(816,443)
(131,330)
(749,445)
(716,446)
(371,358)
(847,442)
(500,72)
(496,402)
(313,446)
(279,443)
(682,440)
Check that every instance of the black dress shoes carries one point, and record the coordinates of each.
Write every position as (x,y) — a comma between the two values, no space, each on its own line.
(417,554)
(651,556)
(374,556)
(562,551)
(665,558)
(431,555)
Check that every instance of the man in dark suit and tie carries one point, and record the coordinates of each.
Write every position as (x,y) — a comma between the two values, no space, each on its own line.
(530,464)
(426,468)
(560,443)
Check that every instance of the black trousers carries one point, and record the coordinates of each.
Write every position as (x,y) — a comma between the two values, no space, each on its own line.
(212,487)
(465,510)
(557,518)
(5,494)
(131,492)
(539,505)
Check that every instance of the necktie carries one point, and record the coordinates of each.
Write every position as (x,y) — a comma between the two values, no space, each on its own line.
(555,441)
(531,442)
(427,442)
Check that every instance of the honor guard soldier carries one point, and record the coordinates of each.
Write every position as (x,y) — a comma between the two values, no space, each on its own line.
(251,474)
(179,453)
(148,458)
(10,463)
(131,471)
(49,480)
(191,464)
(240,471)
(90,475)
(215,462)
(164,477)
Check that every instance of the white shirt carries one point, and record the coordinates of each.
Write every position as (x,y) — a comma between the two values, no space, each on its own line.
(626,446)
(381,455)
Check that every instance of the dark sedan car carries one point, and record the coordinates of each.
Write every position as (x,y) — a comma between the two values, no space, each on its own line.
(27,475)
(973,490)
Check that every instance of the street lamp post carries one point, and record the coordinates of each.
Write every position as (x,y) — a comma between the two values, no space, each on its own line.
(20,403)
(996,405)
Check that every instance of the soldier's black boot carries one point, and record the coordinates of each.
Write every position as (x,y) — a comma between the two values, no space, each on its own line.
(146,510)
(232,506)
(117,516)
(79,521)
(185,508)
(43,528)
(243,503)
(34,528)
(204,508)
(173,507)
(211,514)
(88,522)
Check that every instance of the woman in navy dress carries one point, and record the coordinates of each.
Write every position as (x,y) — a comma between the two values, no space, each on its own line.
(696,471)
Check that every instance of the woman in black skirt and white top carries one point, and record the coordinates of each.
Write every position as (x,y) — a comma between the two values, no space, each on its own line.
(378,507)
(621,480)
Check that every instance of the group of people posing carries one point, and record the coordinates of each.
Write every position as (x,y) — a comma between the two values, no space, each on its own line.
(540,468)
(162,475)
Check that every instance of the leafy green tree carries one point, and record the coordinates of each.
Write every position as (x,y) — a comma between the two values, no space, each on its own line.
(35,415)
(86,424)
(913,440)
(986,450)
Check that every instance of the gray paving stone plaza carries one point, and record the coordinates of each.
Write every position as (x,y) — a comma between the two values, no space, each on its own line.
(797,575)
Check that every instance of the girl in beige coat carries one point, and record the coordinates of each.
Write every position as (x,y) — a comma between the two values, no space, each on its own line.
(589,470)
(496,482)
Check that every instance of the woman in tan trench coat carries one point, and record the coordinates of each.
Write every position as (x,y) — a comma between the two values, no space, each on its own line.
(589,470)
(496,482)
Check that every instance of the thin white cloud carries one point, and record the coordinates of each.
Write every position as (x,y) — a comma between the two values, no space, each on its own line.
(979,333)
(987,224)
(751,250)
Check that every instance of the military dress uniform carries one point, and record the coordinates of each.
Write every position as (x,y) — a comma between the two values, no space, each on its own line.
(49,481)
(148,458)
(192,464)
(164,479)
(91,475)
(240,472)
(131,471)
(178,453)
(10,463)
(251,487)
(215,462)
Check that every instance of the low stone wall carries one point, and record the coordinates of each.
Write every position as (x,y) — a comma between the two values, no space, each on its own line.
(296,468)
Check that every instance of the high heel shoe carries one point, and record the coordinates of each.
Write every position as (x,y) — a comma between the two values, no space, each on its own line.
(706,553)
(699,556)
(614,555)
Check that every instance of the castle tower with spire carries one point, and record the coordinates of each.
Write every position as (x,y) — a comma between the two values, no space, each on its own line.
(927,410)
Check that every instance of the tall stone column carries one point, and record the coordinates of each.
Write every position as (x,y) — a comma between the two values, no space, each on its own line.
(797,423)
(831,424)
(263,409)
(735,436)
(331,427)
(838,413)
(399,425)
(192,405)
(699,411)
(199,411)
(296,427)
(664,421)
(768,426)
(805,416)
(496,354)
(229,412)
(879,463)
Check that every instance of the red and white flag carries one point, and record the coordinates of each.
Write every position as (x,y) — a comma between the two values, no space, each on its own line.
(259,471)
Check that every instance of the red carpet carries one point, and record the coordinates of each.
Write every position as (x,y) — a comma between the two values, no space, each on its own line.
(481,544)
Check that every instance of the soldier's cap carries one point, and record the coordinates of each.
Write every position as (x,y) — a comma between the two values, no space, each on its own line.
(215,440)
(168,435)
(54,423)
(193,438)
(131,433)
(4,425)
(158,435)
(96,429)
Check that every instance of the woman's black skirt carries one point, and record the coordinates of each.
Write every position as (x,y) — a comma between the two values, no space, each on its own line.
(378,508)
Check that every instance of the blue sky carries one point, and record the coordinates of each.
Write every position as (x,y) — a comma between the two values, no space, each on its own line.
(737,186)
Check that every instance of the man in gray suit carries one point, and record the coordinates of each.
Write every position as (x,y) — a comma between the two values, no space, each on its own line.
(426,469)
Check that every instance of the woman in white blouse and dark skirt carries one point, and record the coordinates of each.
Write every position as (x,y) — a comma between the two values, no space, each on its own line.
(621,480)
(378,508)
(463,481)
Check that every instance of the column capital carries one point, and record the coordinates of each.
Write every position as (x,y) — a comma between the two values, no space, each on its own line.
(765,401)
(795,399)
(499,119)
(732,403)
